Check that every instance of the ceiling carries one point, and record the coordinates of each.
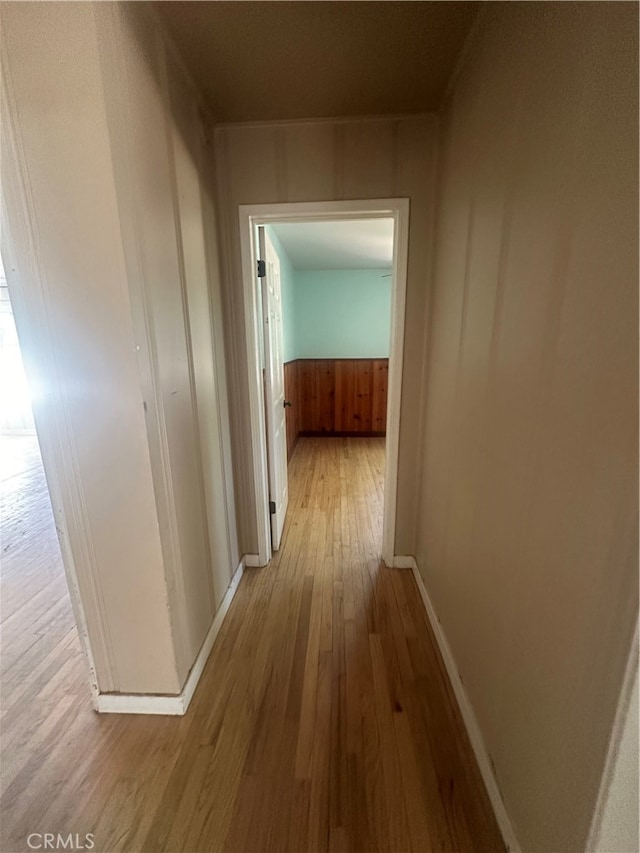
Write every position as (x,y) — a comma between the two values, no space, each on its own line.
(257,61)
(347,245)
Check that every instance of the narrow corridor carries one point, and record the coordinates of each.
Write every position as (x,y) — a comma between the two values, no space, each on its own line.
(323,720)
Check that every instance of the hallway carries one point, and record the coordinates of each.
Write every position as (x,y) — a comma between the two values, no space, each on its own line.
(323,720)
(356,745)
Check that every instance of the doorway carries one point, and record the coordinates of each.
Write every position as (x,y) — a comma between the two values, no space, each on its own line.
(267,397)
(42,661)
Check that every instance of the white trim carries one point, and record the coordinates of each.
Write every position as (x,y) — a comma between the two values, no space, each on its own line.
(256,394)
(401,562)
(252,560)
(617,731)
(394,392)
(132,703)
(469,718)
(263,214)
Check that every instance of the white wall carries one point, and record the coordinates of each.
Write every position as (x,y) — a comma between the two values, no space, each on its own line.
(527,528)
(319,161)
(111,231)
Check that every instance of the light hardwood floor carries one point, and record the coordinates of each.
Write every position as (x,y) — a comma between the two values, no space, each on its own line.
(323,721)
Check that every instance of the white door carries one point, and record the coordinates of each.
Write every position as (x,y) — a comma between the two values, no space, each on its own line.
(274,388)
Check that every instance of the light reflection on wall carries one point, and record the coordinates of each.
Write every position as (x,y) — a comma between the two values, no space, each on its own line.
(15,403)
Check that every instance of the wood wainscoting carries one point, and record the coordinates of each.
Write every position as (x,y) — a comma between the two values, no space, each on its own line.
(335,396)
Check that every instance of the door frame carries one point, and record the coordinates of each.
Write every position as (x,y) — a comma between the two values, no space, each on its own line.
(267,250)
(253,215)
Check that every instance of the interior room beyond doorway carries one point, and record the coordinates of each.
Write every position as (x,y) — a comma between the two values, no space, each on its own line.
(336,285)
(383,257)
(43,669)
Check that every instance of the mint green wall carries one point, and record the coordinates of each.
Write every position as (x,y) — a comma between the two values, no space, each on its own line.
(287,284)
(333,313)
(342,313)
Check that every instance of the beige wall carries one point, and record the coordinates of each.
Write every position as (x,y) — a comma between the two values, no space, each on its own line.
(321,161)
(527,538)
(159,151)
(108,138)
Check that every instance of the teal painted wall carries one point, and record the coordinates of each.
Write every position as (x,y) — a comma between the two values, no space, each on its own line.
(342,313)
(287,285)
(333,313)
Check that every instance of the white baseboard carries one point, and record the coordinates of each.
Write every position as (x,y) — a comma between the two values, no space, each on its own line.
(140,703)
(399,561)
(252,561)
(469,717)
(144,703)
(624,817)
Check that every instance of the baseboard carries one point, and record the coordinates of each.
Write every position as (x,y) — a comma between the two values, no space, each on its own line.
(620,721)
(468,716)
(144,703)
(310,433)
(140,703)
(399,561)
(252,561)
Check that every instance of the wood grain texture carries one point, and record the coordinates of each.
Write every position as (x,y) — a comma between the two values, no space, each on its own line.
(323,721)
(317,393)
(380,384)
(336,397)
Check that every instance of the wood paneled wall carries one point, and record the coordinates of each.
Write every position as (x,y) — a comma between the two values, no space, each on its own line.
(339,396)
(291,393)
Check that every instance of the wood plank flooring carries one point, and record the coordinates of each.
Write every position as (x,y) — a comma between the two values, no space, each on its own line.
(323,721)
